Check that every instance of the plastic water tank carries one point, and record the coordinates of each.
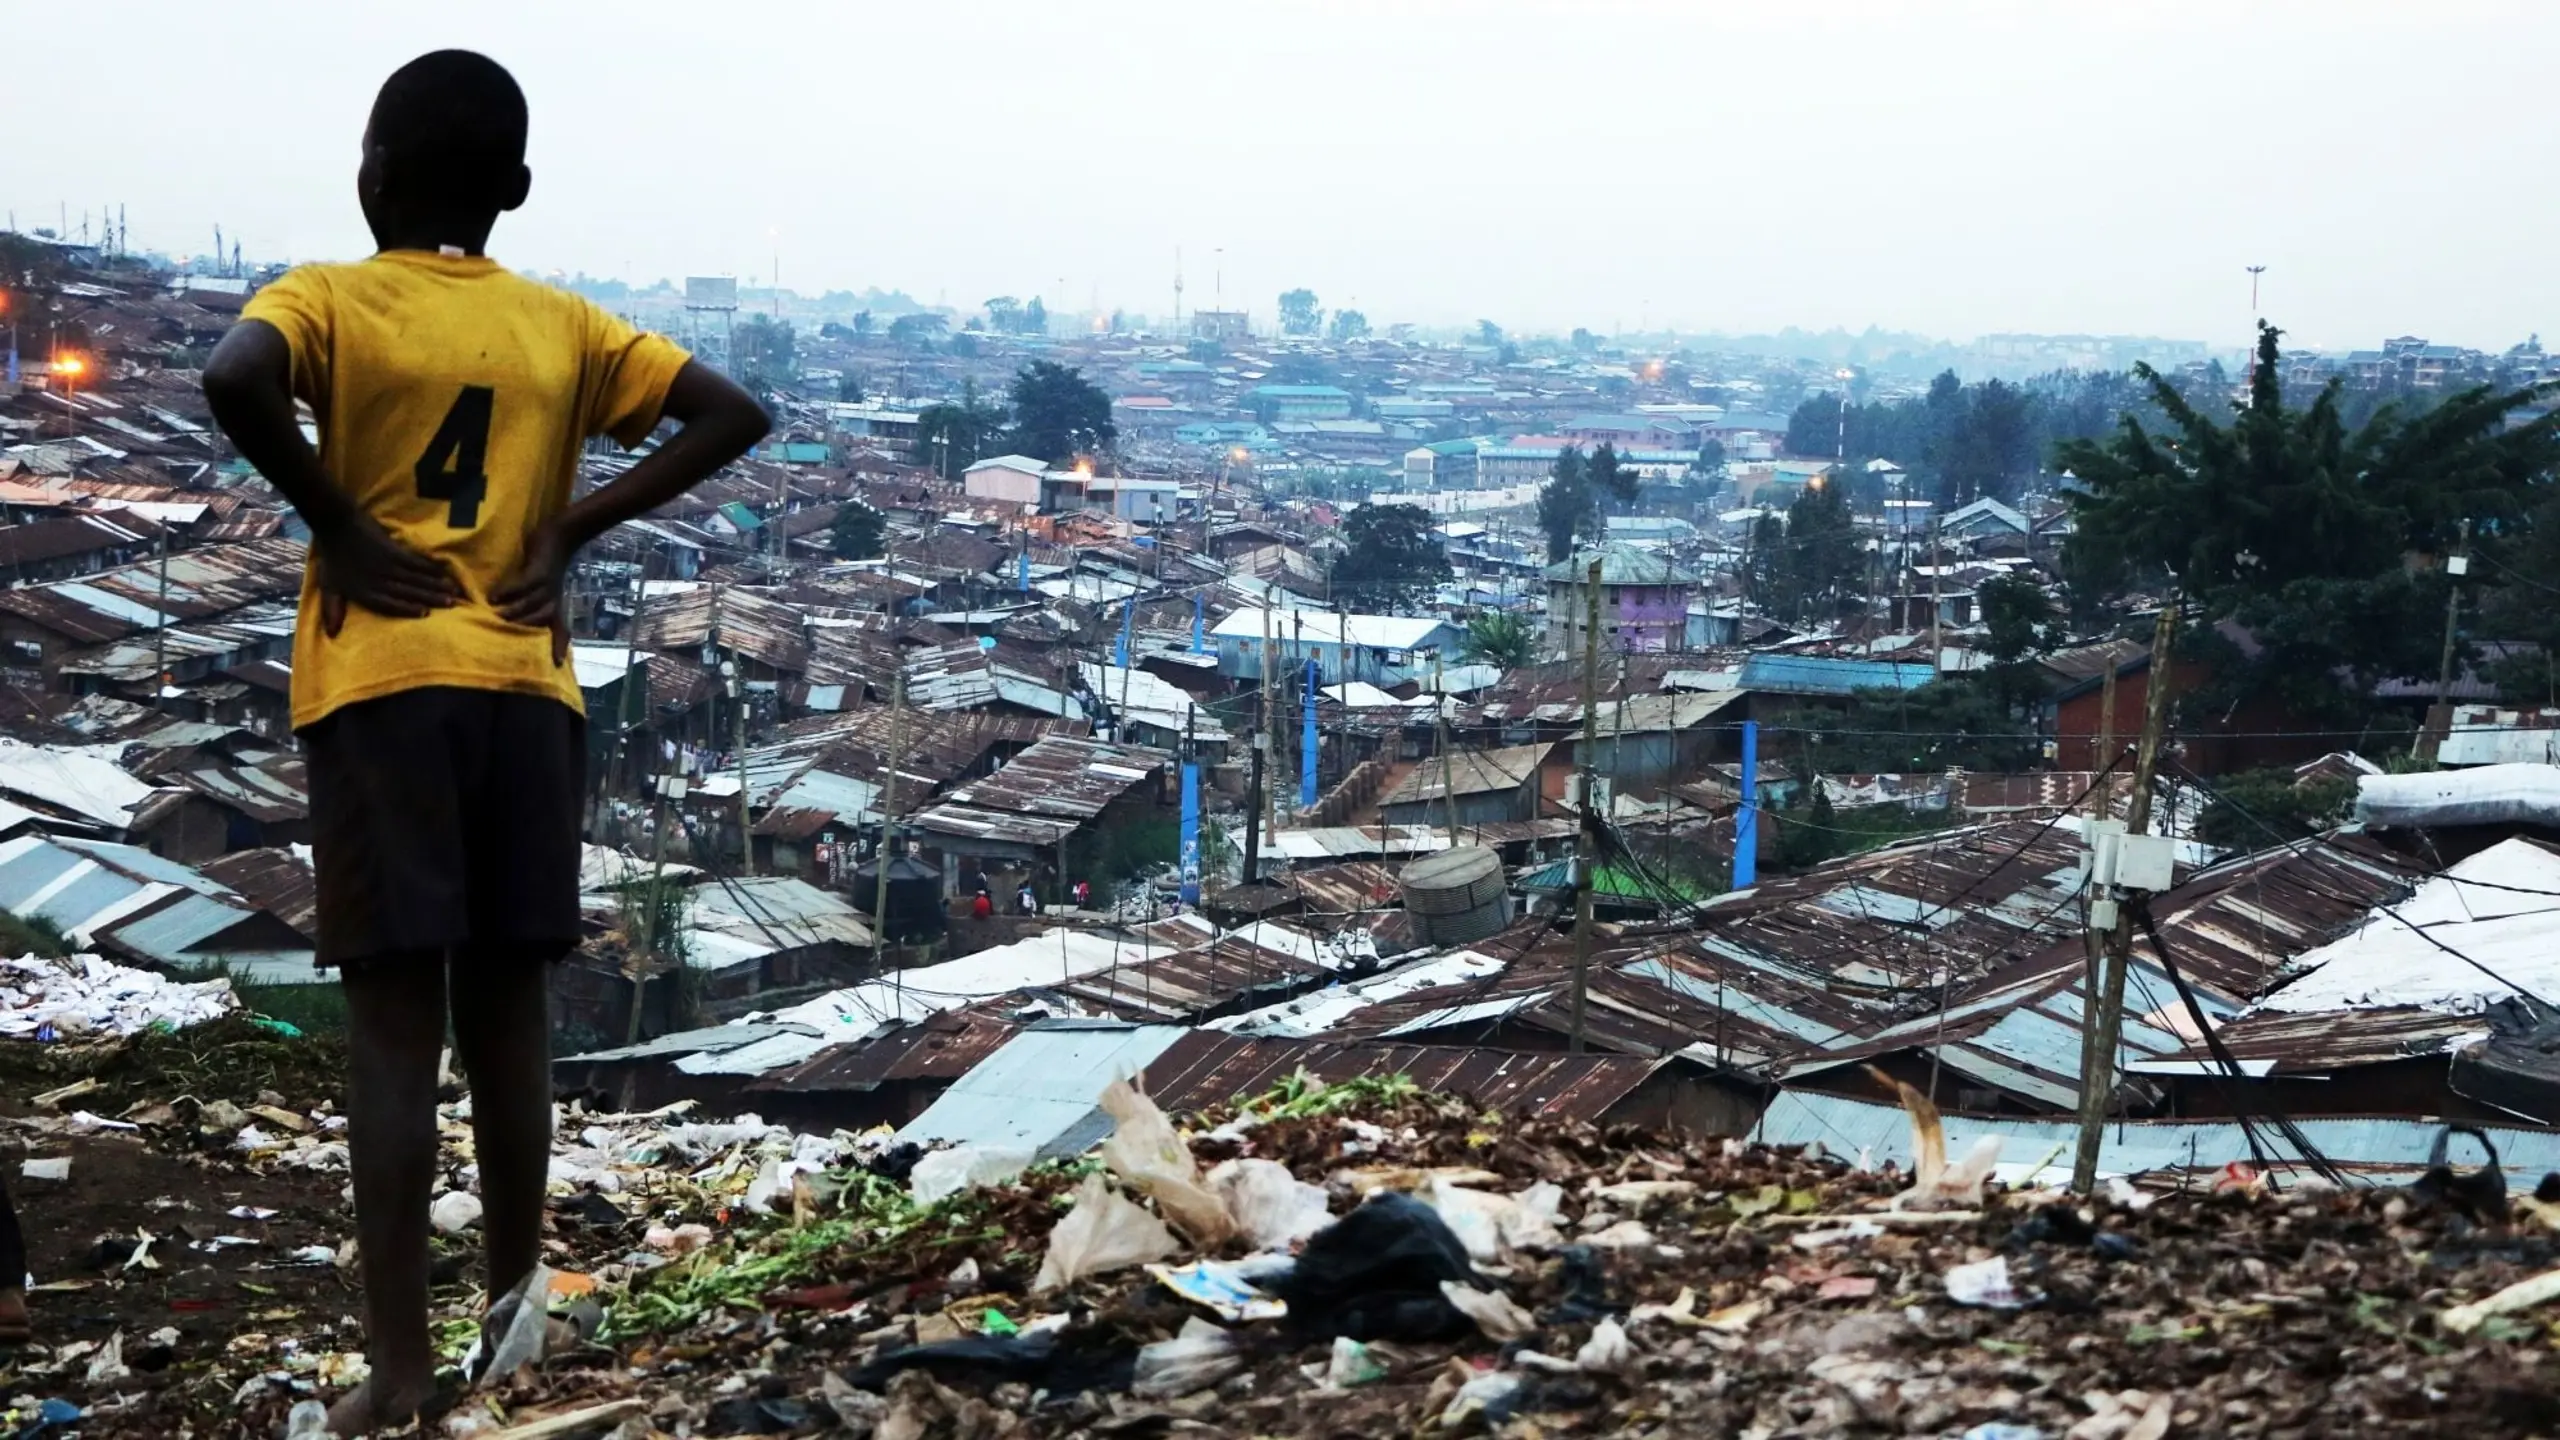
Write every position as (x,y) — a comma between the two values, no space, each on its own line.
(1457,896)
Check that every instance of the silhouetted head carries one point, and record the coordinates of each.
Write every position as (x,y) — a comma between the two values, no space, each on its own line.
(443,151)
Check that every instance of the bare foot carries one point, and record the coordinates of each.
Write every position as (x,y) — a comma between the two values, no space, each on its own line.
(14,1328)
(375,1406)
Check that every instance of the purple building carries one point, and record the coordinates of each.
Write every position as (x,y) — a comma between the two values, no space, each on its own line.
(1644,602)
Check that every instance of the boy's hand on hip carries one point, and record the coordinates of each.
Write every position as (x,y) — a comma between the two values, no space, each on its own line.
(361,564)
(530,595)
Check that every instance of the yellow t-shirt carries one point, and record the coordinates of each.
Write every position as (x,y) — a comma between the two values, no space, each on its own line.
(453,399)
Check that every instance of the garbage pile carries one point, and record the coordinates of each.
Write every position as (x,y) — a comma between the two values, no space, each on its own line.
(1382,1262)
(83,998)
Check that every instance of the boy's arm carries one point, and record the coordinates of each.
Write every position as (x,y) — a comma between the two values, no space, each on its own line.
(248,382)
(718,422)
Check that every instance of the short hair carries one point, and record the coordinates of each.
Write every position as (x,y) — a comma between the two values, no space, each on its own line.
(452,124)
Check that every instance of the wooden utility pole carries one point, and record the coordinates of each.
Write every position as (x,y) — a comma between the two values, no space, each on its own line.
(2456,566)
(638,963)
(738,709)
(889,816)
(2104,759)
(2097,1071)
(1586,859)
(1270,732)
(1934,651)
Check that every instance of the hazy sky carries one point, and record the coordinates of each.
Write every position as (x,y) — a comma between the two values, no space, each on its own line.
(1956,169)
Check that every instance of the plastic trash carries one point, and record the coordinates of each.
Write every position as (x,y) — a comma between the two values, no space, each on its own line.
(1061,1362)
(1585,1284)
(858,1411)
(1170,1369)
(454,1211)
(512,1336)
(1985,1283)
(309,1420)
(1608,1351)
(57,1168)
(1376,1273)
(1351,1364)
(996,1322)
(2003,1430)
(1219,1288)
(1270,1207)
(1147,1152)
(1496,1314)
(107,1365)
(1484,1395)
(2522,1295)
(1935,1185)
(939,1174)
(1474,1216)
(1104,1231)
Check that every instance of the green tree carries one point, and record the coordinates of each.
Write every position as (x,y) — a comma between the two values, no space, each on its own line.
(1488,333)
(1953,722)
(2258,808)
(765,354)
(859,531)
(1035,317)
(1568,513)
(1299,313)
(1058,414)
(1348,325)
(1584,342)
(2303,531)
(1392,561)
(1824,559)
(1710,459)
(861,322)
(1500,638)
(1004,314)
(1612,484)
(919,330)
(953,436)
(2019,618)
(849,388)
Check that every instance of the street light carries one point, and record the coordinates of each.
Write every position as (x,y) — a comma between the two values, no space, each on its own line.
(68,369)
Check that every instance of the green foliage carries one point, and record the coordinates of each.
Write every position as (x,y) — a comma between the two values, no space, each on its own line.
(1488,333)
(1299,313)
(849,388)
(1710,459)
(1583,342)
(2019,617)
(1500,638)
(861,322)
(1568,510)
(1611,484)
(1058,414)
(954,436)
(1302,1096)
(31,935)
(1394,560)
(2301,530)
(1347,325)
(1819,570)
(765,353)
(2258,808)
(858,533)
(916,331)
(1133,851)
(1956,722)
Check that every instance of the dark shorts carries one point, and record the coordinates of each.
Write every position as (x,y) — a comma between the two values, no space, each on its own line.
(443,818)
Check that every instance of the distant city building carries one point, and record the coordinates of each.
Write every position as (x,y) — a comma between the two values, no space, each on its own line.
(1644,602)
(1004,477)
(1275,403)
(1220,325)
(1447,465)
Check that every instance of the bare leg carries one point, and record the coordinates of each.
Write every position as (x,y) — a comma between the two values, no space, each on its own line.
(395,1018)
(14,1329)
(502,1037)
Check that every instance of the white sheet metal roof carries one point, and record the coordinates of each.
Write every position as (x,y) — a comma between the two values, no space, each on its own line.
(913,995)
(2495,907)
(1038,1092)
(1383,632)
(84,785)
(1327,1008)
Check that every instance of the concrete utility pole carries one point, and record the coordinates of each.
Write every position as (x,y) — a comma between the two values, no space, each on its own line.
(2098,1059)
(2456,565)
(160,632)
(738,710)
(1448,785)
(1587,850)
(1935,653)
(1270,731)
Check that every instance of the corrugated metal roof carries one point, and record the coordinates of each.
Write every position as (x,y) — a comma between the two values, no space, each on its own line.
(1883,1133)
(1039,1090)
(945,1047)
(1046,792)
(1204,1068)
(1472,772)
(1827,675)
(2316,1041)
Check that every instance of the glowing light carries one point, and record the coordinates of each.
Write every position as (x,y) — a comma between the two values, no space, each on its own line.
(70,367)
(1237,454)
(1084,469)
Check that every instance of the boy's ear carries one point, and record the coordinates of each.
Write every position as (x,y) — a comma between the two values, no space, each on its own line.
(516,192)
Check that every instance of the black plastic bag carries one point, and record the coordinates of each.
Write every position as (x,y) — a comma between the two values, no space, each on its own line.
(1375,1274)
(1082,1360)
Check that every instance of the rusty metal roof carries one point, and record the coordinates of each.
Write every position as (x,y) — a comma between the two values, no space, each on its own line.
(944,1047)
(274,880)
(203,585)
(1045,793)
(1471,772)
(2315,1041)
(2235,926)
(728,617)
(1258,963)
(1205,1068)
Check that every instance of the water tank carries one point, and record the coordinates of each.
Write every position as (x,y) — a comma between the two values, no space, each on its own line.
(915,897)
(1456,897)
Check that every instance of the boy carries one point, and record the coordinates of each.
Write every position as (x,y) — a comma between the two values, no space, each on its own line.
(14,1329)
(443,728)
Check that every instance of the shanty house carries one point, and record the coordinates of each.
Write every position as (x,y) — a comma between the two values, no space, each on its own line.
(1491,786)
(1384,650)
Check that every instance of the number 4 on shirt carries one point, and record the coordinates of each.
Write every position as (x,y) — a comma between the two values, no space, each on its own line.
(451,469)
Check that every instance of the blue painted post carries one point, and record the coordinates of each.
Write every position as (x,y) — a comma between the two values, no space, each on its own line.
(1307,755)
(1746,820)
(1022,571)
(1190,832)
(1198,613)
(1128,615)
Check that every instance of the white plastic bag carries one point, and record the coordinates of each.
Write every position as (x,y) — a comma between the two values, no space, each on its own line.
(942,1173)
(1171,1369)
(1271,1208)
(1146,1151)
(1608,1351)
(1104,1232)
(519,1322)
(454,1211)
(1935,1185)
(1496,1314)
